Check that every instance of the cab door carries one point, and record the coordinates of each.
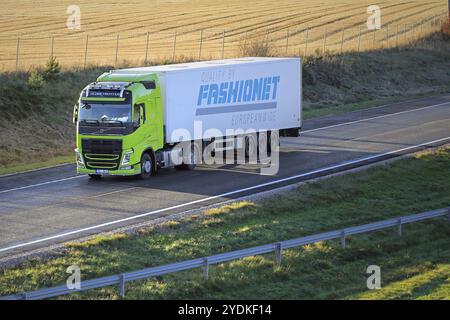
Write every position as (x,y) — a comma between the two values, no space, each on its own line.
(139,123)
(155,122)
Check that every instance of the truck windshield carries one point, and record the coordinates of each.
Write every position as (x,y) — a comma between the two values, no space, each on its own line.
(99,113)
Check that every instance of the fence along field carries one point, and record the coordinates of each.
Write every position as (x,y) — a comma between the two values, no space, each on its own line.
(114,32)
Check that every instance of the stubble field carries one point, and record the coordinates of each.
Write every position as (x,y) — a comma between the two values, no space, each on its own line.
(139,31)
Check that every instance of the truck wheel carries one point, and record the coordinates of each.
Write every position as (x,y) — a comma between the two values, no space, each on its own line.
(147,165)
(94,176)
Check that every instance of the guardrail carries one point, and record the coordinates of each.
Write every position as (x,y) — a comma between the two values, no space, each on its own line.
(205,262)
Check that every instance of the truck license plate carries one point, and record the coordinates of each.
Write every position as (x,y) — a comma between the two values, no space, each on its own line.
(101,171)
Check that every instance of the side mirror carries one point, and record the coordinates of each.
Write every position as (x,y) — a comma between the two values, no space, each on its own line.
(75,113)
(149,84)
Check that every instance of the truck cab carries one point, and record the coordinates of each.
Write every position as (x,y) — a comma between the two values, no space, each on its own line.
(119,125)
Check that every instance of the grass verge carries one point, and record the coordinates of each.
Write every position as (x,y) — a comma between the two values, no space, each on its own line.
(22,167)
(414,266)
(310,113)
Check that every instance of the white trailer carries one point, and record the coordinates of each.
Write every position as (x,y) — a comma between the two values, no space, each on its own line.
(247,94)
(149,116)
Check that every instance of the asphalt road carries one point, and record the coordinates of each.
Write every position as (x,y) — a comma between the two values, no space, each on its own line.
(53,205)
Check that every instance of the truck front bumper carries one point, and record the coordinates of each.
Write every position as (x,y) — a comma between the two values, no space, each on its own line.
(124,171)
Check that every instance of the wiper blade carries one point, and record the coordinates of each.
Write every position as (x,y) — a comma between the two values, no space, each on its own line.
(113,121)
(90,121)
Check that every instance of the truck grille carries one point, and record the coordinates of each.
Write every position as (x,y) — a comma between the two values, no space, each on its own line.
(102,153)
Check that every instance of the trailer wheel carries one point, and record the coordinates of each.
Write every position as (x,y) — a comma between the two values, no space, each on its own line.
(250,146)
(94,176)
(272,141)
(269,143)
(194,159)
(262,144)
(148,167)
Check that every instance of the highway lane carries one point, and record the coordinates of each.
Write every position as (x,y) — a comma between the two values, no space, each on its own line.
(51,205)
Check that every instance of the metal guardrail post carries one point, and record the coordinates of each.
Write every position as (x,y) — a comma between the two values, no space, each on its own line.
(206,269)
(146,48)
(343,240)
(267,38)
(223,43)
(52,46)
(17,53)
(373,38)
(174,45)
(117,50)
(396,37)
(448,12)
(122,286)
(287,42)
(406,33)
(86,51)
(278,252)
(200,47)
(245,41)
(359,39)
(306,41)
(399,227)
(24,296)
(387,36)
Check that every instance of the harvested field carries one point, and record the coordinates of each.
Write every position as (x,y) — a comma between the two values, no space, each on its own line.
(142,31)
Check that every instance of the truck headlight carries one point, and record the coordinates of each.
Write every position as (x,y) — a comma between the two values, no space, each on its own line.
(126,158)
(79,157)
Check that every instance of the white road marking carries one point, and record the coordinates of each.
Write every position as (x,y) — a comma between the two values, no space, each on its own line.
(302,175)
(372,118)
(109,193)
(42,183)
(301,133)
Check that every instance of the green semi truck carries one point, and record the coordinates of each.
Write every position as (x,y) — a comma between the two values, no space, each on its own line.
(133,121)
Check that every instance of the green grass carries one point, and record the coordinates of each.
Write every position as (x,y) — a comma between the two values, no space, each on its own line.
(414,266)
(310,113)
(36,125)
(37,165)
